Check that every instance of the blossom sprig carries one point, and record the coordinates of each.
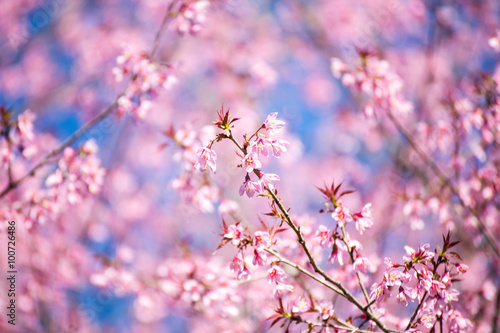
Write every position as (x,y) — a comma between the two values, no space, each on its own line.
(79,173)
(340,213)
(421,278)
(260,241)
(253,147)
(259,144)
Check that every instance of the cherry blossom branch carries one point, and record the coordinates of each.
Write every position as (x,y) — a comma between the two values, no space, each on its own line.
(482,228)
(344,292)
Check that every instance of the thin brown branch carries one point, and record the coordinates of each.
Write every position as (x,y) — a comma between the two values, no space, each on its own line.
(158,33)
(303,270)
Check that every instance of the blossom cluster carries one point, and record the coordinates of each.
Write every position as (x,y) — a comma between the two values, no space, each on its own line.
(376,79)
(426,277)
(260,243)
(255,147)
(147,79)
(79,172)
(190,16)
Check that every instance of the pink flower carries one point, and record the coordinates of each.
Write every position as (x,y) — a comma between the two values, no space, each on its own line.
(462,268)
(259,258)
(341,215)
(420,256)
(323,234)
(446,279)
(266,179)
(364,219)
(239,267)
(401,297)
(325,309)
(251,162)
(425,278)
(436,288)
(389,263)
(405,293)
(206,157)
(377,292)
(457,322)
(339,252)
(281,289)
(275,274)
(272,124)
(261,240)
(301,305)
(428,317)
(278,146)
(405,276)
(392,277)
(261,145)
(451,295)
(361,264)
(25,124)
(235,234)
(250,187)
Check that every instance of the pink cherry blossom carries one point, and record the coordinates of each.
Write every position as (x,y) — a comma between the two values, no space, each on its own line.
(235,234)
(301,305)
(262,145)
(261,240)
(251,188)
(361,264)
(25,124)
(251,162)
(272,124)
(325,309)
(323,234)
(278,146)
(275,275)
(364,219)
(206,157)
(259,258)
(266,179)
(342,215)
